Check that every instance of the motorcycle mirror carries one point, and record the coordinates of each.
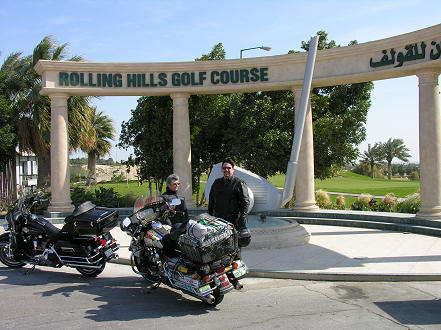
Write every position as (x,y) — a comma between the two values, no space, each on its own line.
(126,222)
(175,202)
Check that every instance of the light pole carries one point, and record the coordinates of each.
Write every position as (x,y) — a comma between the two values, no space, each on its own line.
(261,47)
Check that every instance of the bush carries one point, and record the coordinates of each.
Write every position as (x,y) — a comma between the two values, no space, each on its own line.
(42,206)
(388,204)
(415,176)
(322,198)
(340,202)
(411,204)
(119,177)
(80,195)
(364,202)
(107,197)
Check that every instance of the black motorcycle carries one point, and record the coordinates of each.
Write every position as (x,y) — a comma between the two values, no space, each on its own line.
(84,242)
(199,257)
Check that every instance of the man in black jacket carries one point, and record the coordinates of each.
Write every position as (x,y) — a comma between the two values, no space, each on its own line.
(229,198)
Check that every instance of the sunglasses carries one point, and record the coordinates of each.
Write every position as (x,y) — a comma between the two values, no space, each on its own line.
(226,168)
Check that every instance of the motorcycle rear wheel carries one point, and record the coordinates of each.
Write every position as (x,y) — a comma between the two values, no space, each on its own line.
(91,272)
(5,257)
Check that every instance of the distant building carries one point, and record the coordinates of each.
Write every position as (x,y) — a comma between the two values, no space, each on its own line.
(26,170)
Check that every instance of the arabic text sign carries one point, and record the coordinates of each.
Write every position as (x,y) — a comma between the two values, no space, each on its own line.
(411,52)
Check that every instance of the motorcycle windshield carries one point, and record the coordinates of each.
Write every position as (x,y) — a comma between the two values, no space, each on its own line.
(145,202)
(146,208)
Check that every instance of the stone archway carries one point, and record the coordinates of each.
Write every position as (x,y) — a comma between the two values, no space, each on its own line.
(416,53)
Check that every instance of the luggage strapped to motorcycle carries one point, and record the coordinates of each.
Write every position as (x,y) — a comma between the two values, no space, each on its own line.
(221,240)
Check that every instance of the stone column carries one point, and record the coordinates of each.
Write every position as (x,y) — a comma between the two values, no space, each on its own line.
(60,171)
(304,188)
(181,145)
(430,145)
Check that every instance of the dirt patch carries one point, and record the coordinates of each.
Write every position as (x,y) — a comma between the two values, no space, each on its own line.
(107,172)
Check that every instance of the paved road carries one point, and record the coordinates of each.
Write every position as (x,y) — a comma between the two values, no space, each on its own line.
(62,299)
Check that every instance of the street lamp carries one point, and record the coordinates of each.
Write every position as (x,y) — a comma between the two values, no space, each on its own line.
(261,47)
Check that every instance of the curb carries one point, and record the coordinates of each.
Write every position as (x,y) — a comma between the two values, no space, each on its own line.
(337,277)
(345,277)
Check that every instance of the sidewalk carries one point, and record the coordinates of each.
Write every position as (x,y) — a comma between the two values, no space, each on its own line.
(341,253)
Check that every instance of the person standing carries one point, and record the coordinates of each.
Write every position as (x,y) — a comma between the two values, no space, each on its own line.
(229,198)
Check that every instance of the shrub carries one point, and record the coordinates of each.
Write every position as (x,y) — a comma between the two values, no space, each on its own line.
(388,204)
(118,177)
(42,206)
(340,202)
(81,195)
(366,199)
(414,176)
(411,204)
(322,198)
(364,202)
(107,197)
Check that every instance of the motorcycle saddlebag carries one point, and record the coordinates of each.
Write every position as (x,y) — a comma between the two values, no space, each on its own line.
(93,221)
(68,248)
(215,245)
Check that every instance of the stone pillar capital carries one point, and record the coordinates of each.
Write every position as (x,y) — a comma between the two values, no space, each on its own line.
(179,95)
(428,76)
(58,100)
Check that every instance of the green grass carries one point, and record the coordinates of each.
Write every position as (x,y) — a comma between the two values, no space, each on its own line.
(352,183)
(124,188)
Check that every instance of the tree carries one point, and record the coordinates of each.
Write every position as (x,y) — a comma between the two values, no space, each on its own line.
(261,132)
(339,118)
(33,109)
(393,148)
(372,157)
(8,122)
(104,133)
(206,128)
(8,136)
(150,132)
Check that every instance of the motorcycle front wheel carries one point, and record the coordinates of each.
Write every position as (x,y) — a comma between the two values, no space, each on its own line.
(91,272)
(145,272)
(5,257)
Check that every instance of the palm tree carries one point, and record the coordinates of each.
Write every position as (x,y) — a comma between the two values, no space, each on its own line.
(372,157)
(393,148)
(104,132)
(34,111)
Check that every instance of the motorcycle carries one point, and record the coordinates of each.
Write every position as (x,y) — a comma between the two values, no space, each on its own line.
(84,242)
(199,257)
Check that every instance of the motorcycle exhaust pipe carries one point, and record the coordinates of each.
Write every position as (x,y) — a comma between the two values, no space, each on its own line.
(209,299)
(82,265)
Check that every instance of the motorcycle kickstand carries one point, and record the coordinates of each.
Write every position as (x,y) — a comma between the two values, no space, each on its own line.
(30,270)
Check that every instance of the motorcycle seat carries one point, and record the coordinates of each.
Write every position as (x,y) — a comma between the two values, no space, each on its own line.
(51,231)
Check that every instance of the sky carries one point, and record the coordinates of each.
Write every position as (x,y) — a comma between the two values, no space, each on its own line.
(177,31)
